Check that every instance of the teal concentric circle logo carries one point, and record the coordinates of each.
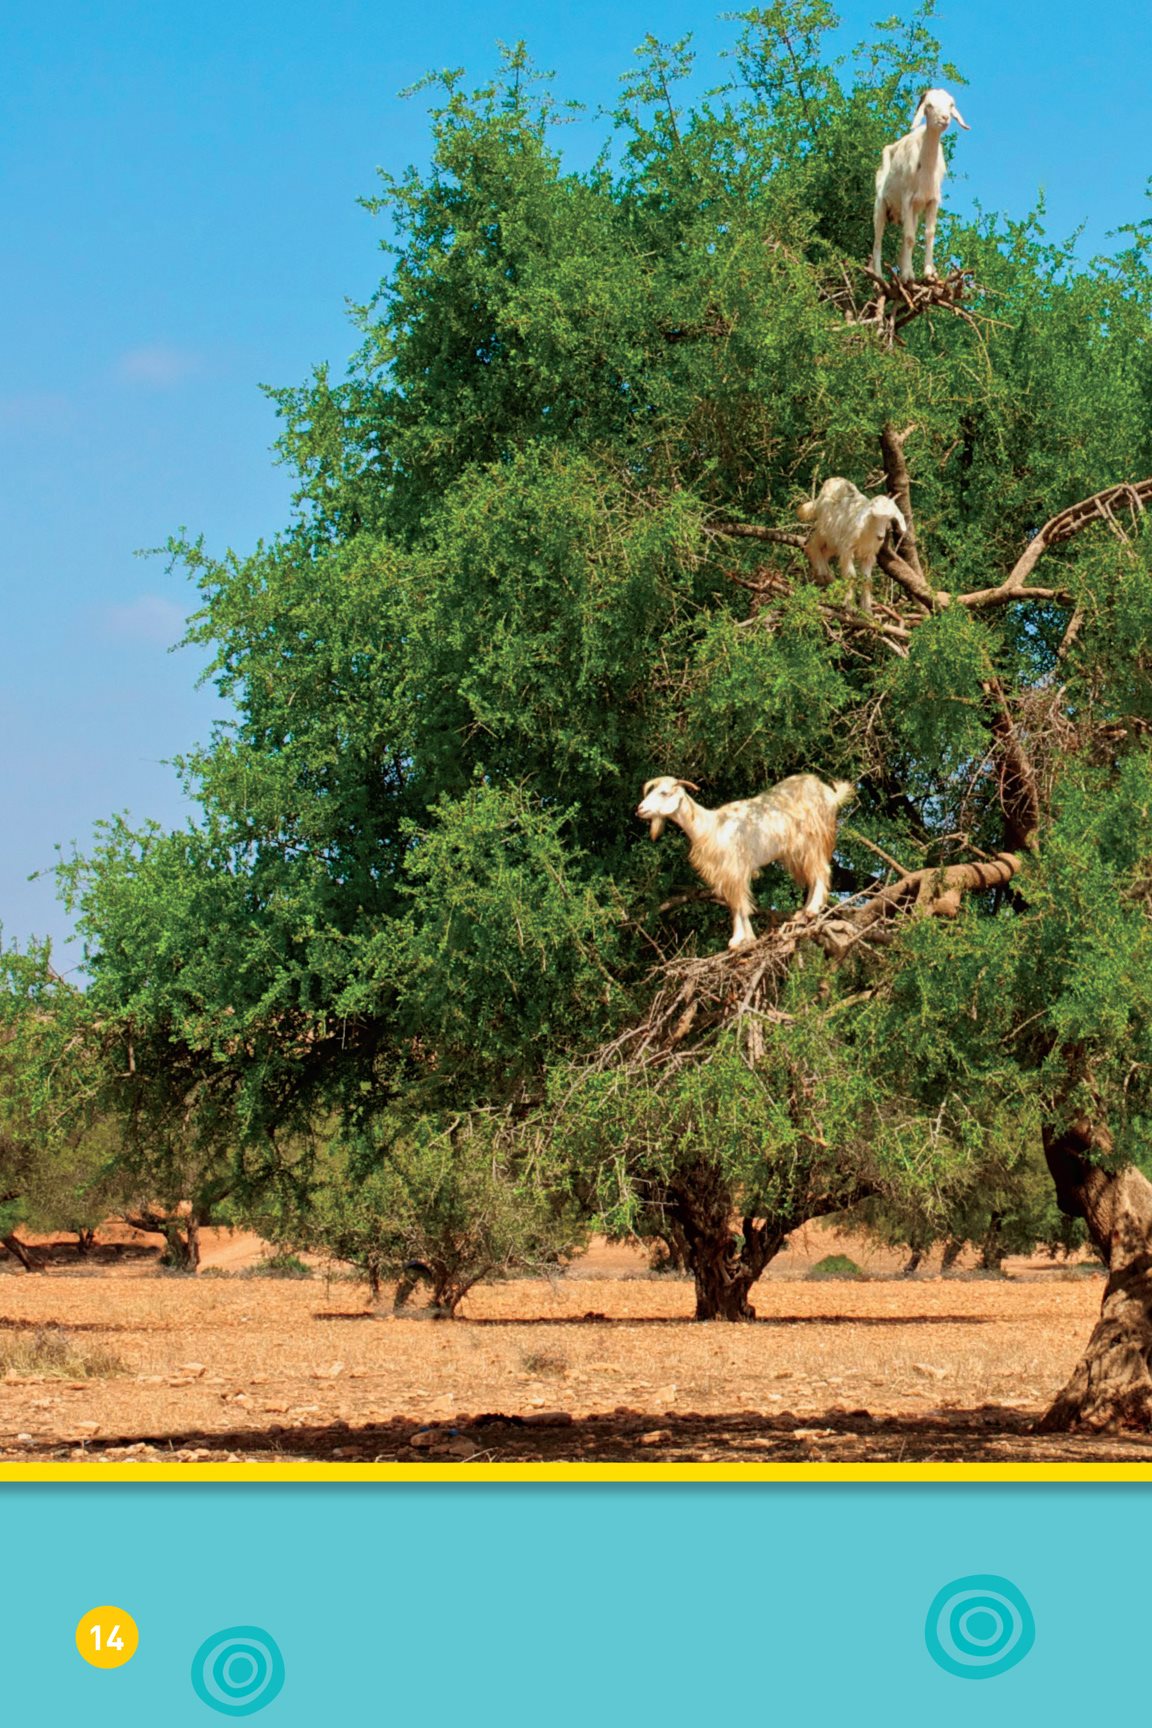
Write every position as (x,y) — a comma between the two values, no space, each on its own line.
(979,1627)
(238,1671)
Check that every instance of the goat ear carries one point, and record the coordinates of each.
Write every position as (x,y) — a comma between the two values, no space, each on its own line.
(919,114)
(959,118)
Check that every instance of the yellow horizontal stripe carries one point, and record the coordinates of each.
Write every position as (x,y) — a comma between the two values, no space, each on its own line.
(276,1474)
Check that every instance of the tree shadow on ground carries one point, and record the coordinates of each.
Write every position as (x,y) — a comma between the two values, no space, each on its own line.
(991,1434)
(593,1318)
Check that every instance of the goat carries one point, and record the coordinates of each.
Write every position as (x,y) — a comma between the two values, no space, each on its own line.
(909,179)
(794,825)
(850,528)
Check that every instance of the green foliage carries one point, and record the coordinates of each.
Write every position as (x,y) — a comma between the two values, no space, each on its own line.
(59,1142)
(836,1266)
(934,698)
(455,1200)
(760,703)
(280,1266)
(504,948)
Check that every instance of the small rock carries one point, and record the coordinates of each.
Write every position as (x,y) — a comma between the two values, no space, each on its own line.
(24,1440)
(655,1437)
(930,1370)
(548,1419)
(461,1448)
(193,1368)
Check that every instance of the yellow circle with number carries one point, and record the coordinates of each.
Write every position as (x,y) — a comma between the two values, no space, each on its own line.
(107,1637)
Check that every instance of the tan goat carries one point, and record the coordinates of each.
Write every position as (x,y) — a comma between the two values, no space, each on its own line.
(793,825)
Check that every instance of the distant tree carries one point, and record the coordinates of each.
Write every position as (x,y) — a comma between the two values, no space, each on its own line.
(444,1207)
(58,1169)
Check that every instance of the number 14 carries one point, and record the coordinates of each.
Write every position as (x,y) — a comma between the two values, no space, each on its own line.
(115,1642)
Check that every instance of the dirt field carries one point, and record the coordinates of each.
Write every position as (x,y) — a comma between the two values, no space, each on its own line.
(604,1364)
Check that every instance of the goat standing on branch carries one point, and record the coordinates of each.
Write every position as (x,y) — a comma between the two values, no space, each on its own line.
(793,825)
(909,179)
(850,528)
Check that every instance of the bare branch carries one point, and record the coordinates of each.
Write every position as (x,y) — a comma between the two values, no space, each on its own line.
(900,488)
(753,531)
(895,303)
(1019,792)
(1100,507)
(696,996)
(913,584)
(690,897)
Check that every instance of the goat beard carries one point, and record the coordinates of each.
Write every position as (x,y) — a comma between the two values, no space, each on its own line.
(656,827)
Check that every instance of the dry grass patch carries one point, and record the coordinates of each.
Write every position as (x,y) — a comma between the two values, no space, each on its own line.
(544,1362)
(52,1353)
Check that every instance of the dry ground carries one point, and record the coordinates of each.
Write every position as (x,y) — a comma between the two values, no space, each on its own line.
(603,1364)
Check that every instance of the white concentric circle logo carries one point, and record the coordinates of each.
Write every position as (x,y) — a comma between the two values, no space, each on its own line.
(238,1671)
(979,1627)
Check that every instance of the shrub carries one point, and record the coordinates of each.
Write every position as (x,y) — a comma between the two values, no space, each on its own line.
(836,1266)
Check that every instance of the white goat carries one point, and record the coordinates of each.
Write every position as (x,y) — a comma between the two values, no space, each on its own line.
(850,528)
(909,179)
(793,825)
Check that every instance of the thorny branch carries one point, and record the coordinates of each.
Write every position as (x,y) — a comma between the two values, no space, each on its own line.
(699,995)
(894,303)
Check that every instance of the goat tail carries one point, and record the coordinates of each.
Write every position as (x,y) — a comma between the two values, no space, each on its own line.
(843,792)
(807,510)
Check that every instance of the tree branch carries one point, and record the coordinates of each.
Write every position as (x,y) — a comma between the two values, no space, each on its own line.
(1019,793)
(1100,507)
(900,488)
(753,531)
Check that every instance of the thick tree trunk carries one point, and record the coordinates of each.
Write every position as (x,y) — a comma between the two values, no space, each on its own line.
(723,1282)
(22,1252)
(413,1273)
(448,1287)
(724,1267)
(991,1248)
(1112,1384)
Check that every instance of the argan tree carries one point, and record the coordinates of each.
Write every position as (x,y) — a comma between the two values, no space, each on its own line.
(545,546)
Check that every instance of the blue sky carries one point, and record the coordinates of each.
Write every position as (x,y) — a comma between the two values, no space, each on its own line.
(181,225)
